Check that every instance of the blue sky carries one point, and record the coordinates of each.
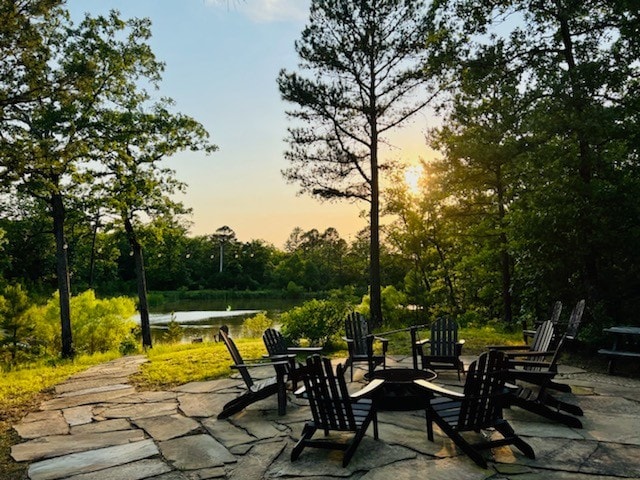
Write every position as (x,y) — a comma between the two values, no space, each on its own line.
(222,59)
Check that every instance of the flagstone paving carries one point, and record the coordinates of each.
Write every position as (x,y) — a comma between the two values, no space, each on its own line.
(98,427)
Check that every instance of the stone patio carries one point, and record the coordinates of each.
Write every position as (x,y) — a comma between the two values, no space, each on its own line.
(99,427)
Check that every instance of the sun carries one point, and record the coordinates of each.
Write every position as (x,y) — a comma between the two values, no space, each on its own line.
(412,178)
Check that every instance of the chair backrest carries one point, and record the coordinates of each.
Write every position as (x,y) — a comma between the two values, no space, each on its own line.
(555,314)
(484,392)
(569,334)
(543,337)
(444,337)
(235,355)
(274,342)
(328,395)
(574,320)
(356,328)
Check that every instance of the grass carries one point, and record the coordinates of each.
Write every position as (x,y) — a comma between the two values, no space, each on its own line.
(171,365)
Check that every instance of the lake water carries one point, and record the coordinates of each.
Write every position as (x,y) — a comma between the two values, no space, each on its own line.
(202,319)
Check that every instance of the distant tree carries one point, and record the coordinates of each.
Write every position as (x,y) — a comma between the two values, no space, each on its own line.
(364,61)
(15,329)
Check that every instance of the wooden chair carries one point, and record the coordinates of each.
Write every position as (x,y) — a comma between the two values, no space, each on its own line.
(555,316)
(538,399)
(278,350)
(256,390)
(539,348)
(360,344)
(333,409)
(479,407)
(444,347)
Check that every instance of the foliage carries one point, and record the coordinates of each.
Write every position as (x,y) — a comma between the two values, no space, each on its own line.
(99,325)
(394,311)
(16,332)
(318,321)
(255,326)
(174,331)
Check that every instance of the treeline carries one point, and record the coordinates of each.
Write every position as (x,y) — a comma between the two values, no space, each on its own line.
(312,261)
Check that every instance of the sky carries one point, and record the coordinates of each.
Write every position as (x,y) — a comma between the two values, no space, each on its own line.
(222,58)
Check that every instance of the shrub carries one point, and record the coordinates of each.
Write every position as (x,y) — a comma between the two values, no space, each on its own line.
(97,325)
(315,320)
(174,331)
(255,326)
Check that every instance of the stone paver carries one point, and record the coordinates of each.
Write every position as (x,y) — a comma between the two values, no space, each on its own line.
(99,427)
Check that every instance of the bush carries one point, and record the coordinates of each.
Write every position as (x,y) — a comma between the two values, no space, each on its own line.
(315,320)
(174,331)
(255,326)
(394,313)
(97,325)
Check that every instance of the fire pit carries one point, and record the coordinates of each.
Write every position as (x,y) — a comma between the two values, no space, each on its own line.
(398,392)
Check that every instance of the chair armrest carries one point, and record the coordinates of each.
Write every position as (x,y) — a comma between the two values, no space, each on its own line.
(258,363)
(508,347)
(348,340)
(367,390)
(304,349)
(422,342)
(438,389)
(300,391)
(529,363)
(461,341)
(531,377)
(381,339)
(511,355)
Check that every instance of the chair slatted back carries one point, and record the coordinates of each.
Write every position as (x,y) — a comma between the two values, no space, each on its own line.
(574,320)
(541,343)
(274,342)
(569,334)
(356,327)
(484,392)
(555,314)
(328,395)
(444,337)
(235,355)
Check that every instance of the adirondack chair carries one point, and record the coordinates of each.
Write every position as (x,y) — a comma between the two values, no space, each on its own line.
(360,344)
(478,408)
(256,390)
(555,316)
(277,350)
(540,346)
(334,409)
(539,400)
(444,347)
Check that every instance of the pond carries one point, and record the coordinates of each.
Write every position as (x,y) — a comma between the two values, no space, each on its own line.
(201,319)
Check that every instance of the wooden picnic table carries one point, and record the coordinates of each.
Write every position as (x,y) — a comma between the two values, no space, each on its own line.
(626,344)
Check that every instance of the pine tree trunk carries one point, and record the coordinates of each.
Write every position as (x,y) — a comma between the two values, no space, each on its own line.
(62,272)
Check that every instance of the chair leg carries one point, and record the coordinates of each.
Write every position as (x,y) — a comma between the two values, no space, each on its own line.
(507,432)
(471,452)
(307,433)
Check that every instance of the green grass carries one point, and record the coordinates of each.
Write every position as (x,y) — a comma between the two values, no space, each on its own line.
(20,385)
(177,364)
